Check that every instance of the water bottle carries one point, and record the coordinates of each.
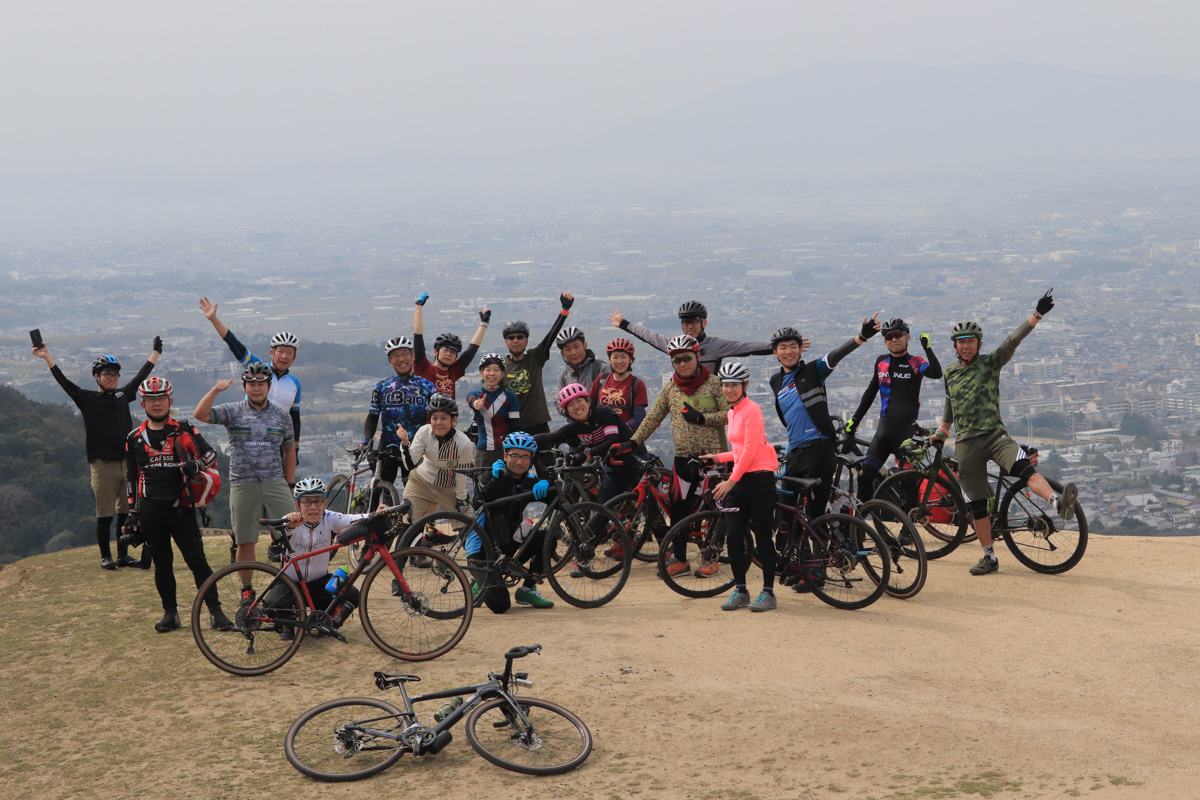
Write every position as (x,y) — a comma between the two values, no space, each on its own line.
(446,708)
(336,580)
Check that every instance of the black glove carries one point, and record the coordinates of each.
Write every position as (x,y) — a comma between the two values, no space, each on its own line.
(190,468)
(485,316)
(131,523)
(158,344)
(868,329)
(566,301)
(617,450)
(692,415)
(131,533)
(1045,303)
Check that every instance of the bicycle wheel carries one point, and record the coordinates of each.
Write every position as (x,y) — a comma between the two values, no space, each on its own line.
(421,617)
(449,532)
(853,568)
(704,533)
(1037,536)
(594,549)
(640,523)
(347,739)
(942,520)
(388,496)
(538,738)
(337,494)
(254,646)
(910,567)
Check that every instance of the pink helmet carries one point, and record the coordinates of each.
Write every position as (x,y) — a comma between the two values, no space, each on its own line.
(570,392)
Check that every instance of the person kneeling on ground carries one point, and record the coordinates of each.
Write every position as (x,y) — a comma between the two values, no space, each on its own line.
(506,522)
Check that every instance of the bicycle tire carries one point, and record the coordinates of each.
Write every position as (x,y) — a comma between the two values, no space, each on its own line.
(398,622)
(337,494)
(705,532)
(447,532)
(592,538)
(1037,536)
(254,646)
(318,743)
(638,520)
(903,489)
(844,576)
(389,497)
(910,567)
(554,734)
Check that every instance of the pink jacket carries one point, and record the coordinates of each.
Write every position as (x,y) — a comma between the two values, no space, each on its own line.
(748,438)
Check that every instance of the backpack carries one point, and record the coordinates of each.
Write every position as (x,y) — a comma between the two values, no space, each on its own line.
(203,487)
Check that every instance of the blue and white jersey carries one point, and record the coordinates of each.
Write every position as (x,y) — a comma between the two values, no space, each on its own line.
(285,389)
(399,402)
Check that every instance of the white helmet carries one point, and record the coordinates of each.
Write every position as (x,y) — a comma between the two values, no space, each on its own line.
(284,338)
(733,372)
(399,343)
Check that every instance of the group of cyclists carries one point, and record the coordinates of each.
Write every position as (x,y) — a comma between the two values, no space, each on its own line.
(606,411)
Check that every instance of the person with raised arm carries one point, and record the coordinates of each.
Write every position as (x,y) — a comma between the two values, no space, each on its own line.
(450,358)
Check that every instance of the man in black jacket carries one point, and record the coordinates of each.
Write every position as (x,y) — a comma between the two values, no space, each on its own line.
(106,422)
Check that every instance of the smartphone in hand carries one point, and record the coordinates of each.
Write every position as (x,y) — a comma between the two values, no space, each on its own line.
(35,336)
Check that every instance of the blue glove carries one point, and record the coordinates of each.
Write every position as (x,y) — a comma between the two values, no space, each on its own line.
(540,488)
(422,297)
(497,468)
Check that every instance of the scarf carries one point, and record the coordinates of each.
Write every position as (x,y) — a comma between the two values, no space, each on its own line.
(690,385)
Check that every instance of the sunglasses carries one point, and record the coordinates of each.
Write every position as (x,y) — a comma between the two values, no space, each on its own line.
(256,379)
(512,336)
(681,359)
(893,336)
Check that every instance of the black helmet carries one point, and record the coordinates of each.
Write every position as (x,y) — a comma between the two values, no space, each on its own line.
(441,402)
(448,340)
(105,362)
(254,370)
(693,309)
(966,330)
(784,334)
(515,327)
(896,324)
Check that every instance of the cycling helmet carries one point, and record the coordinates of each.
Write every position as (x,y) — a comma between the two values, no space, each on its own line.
(254,369)
(491,358)
(105,362)
(399,343)
(521,441)
(155,387)
(693,309)
(682,344)
(619,346)
(284,338)
(441,402)
(784,334)
(448,340)
(733,372)
(570,392)
(308,486)
(568,334)
(896,324)
(515,327)
(965,330)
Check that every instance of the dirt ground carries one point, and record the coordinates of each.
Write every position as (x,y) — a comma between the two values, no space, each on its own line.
(1008,685)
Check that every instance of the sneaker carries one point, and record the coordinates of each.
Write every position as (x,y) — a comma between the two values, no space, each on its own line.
(764,602)
(905,538)
(286,632)
(127,561)
(108,563)
(985,566)
(738,599)
(1067,500)
(530,596)
(800,586)
(145,562)
(218,621)
(475,590)
(578,570)
(248,596)
(616,551)
(707,569)
(675,567)
(169,622)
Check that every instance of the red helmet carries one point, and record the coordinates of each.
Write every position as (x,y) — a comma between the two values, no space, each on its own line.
(155,387)
(620,346)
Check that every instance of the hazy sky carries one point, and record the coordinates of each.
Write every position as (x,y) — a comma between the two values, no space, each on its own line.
(221,84)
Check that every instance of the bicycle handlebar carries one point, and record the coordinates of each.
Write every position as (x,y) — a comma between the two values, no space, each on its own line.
(522,651)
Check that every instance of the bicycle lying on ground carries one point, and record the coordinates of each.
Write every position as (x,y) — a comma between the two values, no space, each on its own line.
(414,605)
(929,492)
(356,737)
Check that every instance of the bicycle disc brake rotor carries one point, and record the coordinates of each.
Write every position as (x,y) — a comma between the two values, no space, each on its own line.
(416,737)
(347,742)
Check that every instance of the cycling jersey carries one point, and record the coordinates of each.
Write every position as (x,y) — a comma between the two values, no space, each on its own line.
(800,397)
(973,390)
(749,451)
(600,430)
(500,415)
(444,379)
(305,538)
(712,348)
(897,381)
(153,460)
(106,417)
(257,439)
(399,402)
(434,458)
(524,377)
(690,440)
(626,397)
(285,389)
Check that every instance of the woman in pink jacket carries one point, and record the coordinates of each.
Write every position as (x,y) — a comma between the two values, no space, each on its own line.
(749,493)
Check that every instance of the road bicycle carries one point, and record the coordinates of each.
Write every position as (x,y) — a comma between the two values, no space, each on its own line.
(1035,533)
(356,737)
(646,510)
(413,609)
(584,546)
(351,494)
